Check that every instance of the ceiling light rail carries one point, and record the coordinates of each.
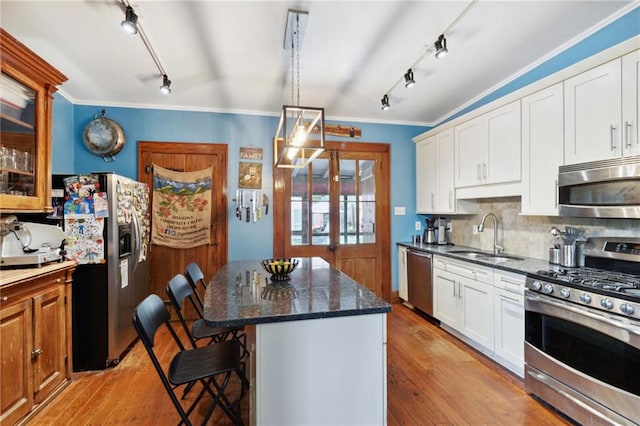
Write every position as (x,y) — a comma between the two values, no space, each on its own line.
(132,25)
(439,46)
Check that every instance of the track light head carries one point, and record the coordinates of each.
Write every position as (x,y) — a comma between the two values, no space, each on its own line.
(441,46)
(385,103)
(130,21)
(165,89)
(408,79)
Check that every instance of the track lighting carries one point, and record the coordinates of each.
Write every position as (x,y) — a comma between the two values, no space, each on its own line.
(440,49)
(165,89)
(130,21)
(441,46)
(408,78)
(385,103)
(132,26)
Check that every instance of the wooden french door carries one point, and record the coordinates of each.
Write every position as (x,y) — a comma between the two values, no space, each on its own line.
(337,208)
(165,262)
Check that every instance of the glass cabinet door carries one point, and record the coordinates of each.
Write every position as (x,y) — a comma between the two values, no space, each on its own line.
(27,85)
(18,136)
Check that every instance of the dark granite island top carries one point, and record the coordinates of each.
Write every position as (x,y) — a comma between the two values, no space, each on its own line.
(242,293)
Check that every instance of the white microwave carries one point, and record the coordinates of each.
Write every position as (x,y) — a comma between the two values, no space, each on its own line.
(608,189)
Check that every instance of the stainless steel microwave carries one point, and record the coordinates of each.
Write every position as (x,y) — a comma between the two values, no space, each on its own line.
(608,188)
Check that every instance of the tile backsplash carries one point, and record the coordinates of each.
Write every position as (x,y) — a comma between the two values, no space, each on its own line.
(528,235)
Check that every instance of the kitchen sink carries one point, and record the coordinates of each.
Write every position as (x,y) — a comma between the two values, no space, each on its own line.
(482,255)
(470,253)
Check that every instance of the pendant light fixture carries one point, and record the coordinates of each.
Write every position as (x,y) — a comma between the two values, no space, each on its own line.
(292,146)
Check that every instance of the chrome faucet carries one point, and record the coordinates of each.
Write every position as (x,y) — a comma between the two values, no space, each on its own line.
(497,245)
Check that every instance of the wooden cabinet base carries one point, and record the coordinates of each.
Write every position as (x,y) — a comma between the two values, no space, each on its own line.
(35,338)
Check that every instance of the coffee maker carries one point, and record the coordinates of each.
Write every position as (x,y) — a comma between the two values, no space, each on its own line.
(430,235)
(442,231)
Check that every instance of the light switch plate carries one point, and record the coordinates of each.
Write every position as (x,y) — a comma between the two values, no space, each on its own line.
(418,225)
(399,211)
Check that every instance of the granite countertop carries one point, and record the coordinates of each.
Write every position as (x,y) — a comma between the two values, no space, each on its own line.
(242,293)
(526,265)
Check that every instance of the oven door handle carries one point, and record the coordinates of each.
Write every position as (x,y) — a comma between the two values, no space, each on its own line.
(616,329)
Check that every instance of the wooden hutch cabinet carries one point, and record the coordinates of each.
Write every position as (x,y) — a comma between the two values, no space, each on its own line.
(27,85)
(35,338)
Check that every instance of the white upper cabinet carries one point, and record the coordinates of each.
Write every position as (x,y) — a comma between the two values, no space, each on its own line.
(593,114)
(435,171)
(445,195)
(505,144)
(426,175)
(630,101)
(542,150)
(487,148)
(470,152)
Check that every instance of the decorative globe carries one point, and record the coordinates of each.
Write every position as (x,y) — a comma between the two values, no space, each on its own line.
(280,268)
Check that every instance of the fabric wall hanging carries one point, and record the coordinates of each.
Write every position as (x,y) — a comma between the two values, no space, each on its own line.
(181,208)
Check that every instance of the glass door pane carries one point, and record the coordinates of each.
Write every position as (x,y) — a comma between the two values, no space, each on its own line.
(357,201)
(310,219)
(367,201)
(18,136)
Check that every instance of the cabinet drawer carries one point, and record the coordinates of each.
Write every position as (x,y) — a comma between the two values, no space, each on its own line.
(464,269)
(509,281)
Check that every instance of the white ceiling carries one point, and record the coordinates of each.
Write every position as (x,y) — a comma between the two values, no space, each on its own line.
(228,56)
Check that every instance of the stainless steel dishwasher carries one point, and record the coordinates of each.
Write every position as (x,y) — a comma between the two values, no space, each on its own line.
(419,283)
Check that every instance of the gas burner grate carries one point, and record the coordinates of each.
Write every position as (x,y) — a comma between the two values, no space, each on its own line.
(598,278)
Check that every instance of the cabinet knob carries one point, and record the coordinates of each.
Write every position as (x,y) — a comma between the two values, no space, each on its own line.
(4,299)
(36,353)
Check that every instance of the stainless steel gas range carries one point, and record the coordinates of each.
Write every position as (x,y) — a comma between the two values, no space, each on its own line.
(582,334)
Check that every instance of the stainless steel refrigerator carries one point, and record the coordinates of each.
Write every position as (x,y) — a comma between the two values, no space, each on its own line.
(106,221)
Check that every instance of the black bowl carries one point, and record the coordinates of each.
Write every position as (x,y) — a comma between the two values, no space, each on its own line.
(280,268)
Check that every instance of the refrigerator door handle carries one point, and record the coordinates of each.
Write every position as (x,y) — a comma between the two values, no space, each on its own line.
(136,238)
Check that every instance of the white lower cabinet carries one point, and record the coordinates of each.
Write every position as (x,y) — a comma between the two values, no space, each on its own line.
(446,302)
(483,306)
(509,320)
(463,299)
(403,289)
(477,305)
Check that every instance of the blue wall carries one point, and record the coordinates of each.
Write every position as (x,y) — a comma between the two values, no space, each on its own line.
(254,240)
(63,140)
(246,240)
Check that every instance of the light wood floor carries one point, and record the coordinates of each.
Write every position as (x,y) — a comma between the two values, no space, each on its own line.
(433,378)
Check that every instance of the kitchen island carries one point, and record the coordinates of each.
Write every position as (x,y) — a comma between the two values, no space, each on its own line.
(319,348)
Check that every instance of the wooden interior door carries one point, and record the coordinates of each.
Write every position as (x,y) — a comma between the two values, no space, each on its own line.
(165,262)
(337,208)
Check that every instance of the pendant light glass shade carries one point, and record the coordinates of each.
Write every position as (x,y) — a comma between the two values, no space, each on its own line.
(292,145)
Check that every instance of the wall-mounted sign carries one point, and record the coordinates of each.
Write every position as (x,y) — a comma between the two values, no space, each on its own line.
(251,153)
